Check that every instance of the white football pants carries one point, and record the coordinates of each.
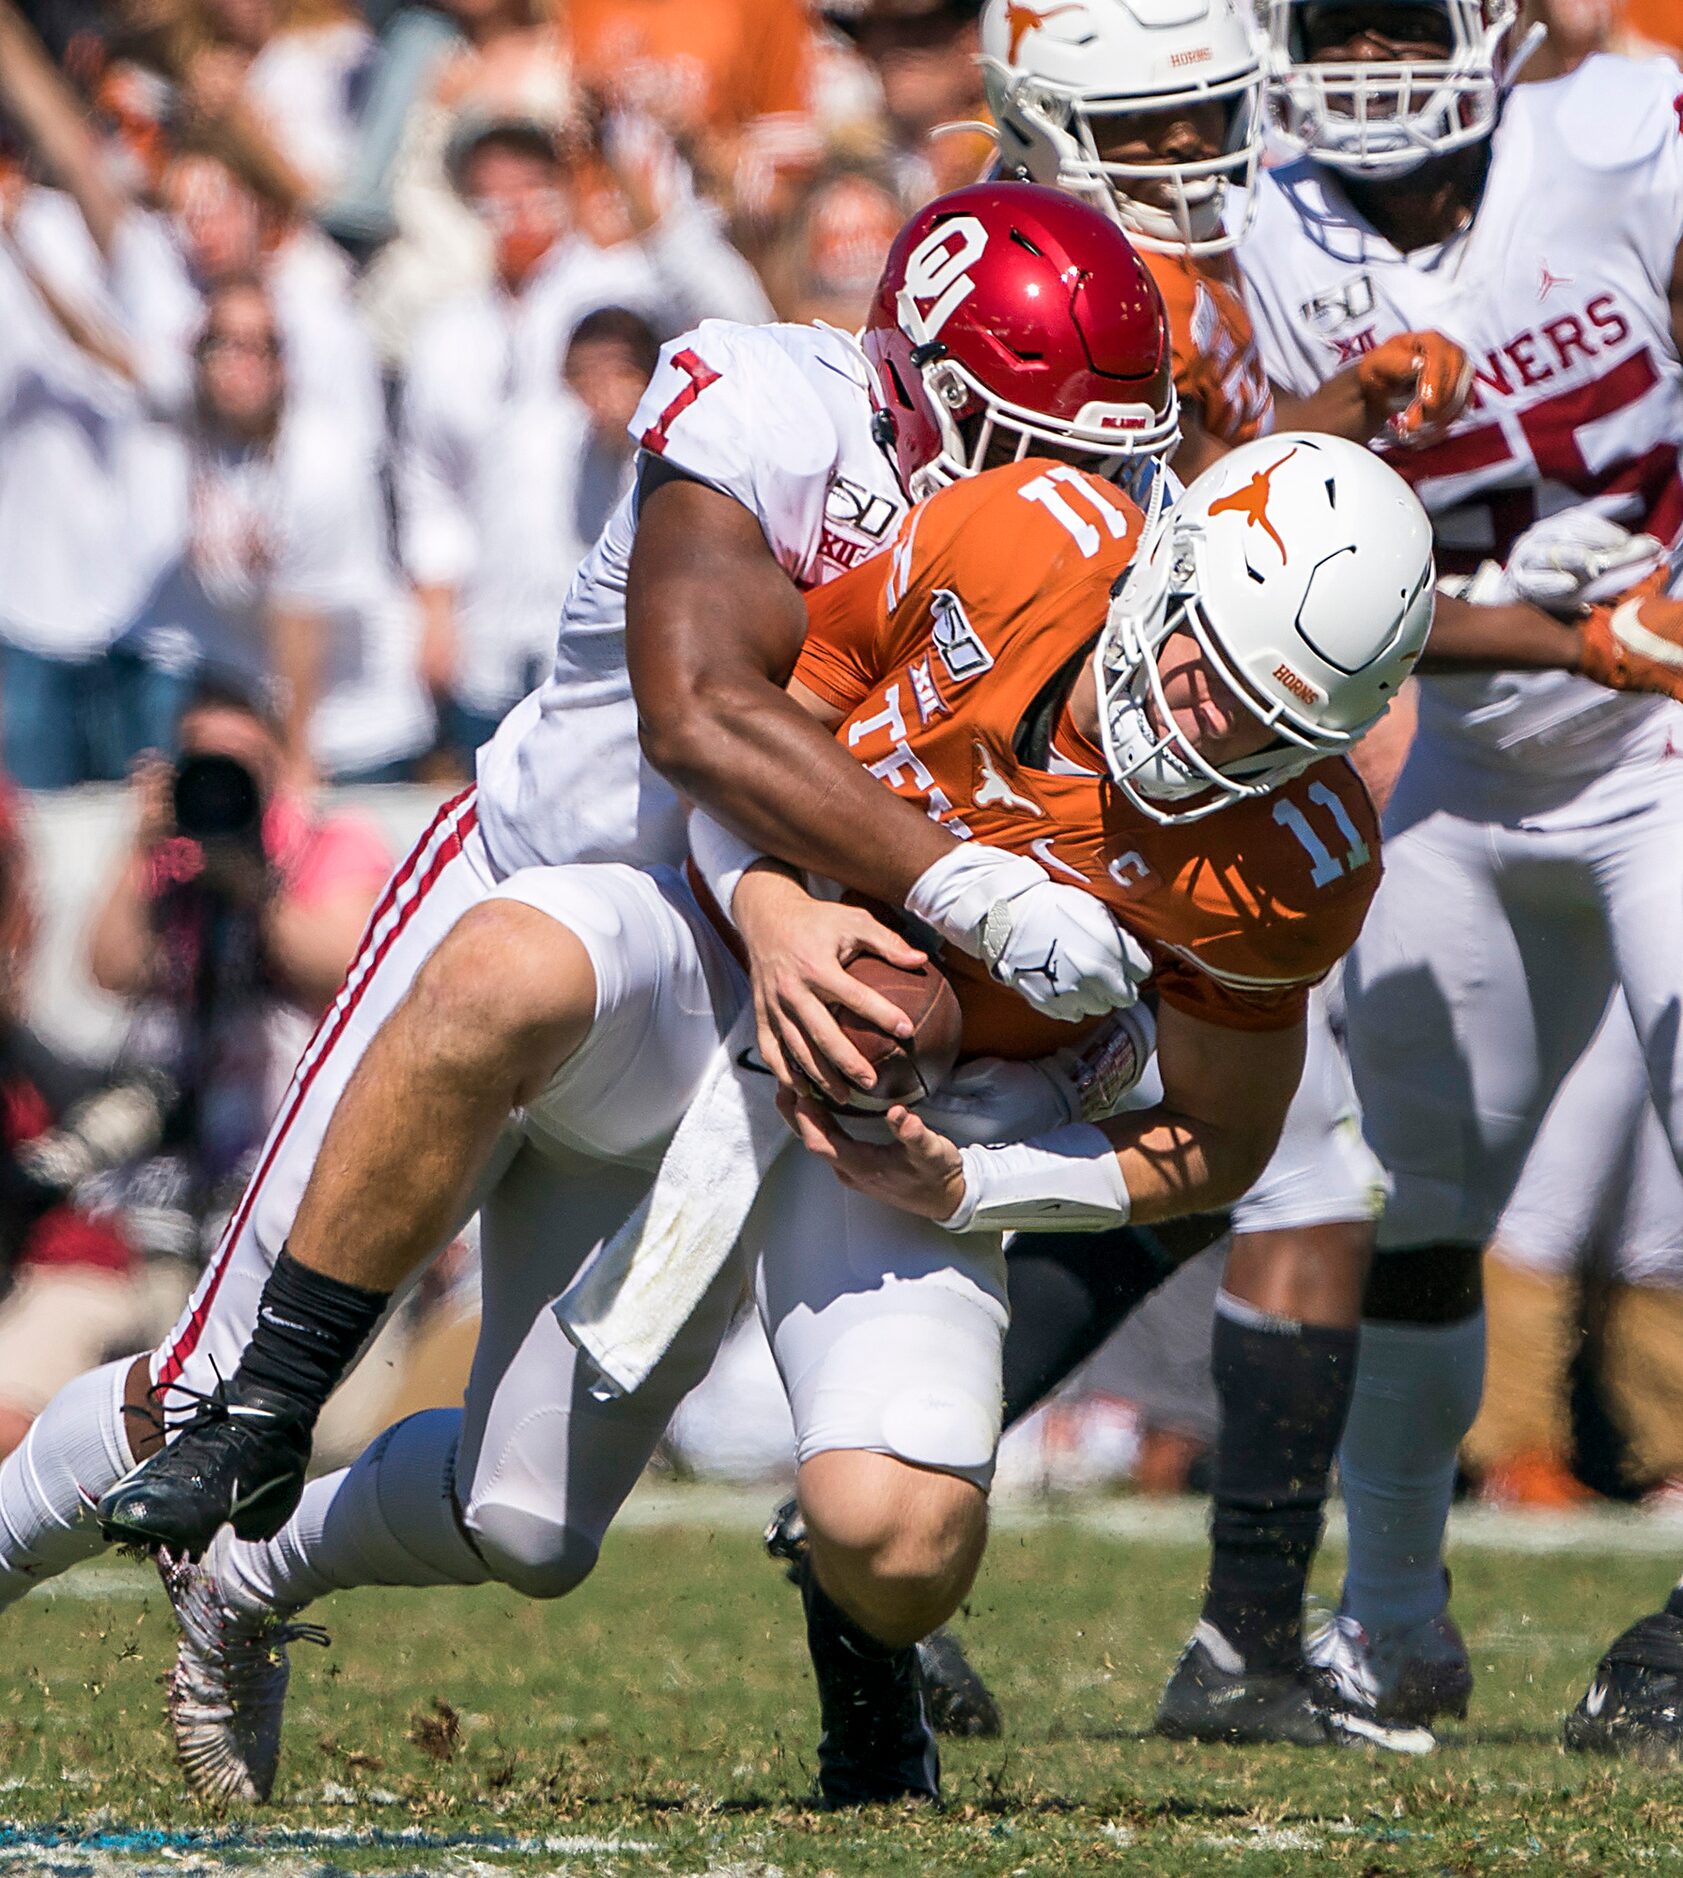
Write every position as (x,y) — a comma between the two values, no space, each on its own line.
(1498,935)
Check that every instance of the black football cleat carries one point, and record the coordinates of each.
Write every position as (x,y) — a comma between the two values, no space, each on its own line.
(1212,1697)
(1633,1707)
(961,1705)
(878,1743)
(238,1460)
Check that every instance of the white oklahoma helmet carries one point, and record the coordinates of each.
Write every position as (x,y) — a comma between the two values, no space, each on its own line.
(1054,68)
(1302,566)
(1383,117)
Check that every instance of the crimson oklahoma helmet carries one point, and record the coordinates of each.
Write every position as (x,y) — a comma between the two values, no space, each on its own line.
(1008,311)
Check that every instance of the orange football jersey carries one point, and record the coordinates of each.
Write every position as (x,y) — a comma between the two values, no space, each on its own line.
(1217,368)
(950,657)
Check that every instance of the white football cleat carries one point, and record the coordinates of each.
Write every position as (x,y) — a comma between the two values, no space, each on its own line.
(226,1694)
(1411,1675)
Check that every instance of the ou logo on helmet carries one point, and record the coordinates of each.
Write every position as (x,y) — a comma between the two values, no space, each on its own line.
(938,278)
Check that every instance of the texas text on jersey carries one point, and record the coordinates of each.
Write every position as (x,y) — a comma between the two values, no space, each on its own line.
(953,657)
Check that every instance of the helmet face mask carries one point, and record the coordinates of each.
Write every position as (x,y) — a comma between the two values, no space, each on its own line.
(1010,322)
(1153,758)
(1060,105)
(1300,569)
(1385,117)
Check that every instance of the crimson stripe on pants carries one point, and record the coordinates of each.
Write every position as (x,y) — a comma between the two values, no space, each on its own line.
(367,962)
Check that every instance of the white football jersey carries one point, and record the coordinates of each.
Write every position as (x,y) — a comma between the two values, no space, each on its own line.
(778,417)
(1558,290)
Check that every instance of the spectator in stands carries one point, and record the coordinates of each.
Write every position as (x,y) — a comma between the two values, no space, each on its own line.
(498,467)
(228,927)
(70,1287)
(508,63)
(88,507)
(284,579)
(504,484)
(222,231)
(301,63)
(825,263)
(923,54)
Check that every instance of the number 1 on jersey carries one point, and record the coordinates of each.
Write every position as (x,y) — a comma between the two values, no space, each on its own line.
(1324,865)
(1048,491)
(700,375)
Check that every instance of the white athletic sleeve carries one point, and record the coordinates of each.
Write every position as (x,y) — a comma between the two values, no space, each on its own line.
(728,406)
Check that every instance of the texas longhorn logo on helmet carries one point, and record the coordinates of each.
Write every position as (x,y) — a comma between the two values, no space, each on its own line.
(1021,20)
(1250,500)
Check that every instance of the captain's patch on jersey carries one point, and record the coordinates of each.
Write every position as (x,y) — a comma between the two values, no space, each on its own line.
(956,640)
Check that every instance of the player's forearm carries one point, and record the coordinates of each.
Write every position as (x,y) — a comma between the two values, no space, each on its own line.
(1177,1164)
(751,756)
(1151,1166)
(1511,638)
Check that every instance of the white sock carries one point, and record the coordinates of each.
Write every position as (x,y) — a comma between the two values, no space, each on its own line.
(387,1519)
(75,1451)
(1417,1391)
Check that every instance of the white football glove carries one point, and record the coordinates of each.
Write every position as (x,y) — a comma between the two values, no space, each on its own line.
(989,1100)
(1576,559)
(1058,947)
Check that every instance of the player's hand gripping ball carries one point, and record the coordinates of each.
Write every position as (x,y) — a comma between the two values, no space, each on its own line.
(909,1068)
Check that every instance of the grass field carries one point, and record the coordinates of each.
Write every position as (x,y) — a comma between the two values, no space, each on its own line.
(661,1721)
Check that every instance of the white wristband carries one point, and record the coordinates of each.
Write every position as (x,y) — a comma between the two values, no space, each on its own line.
(957,893)
(720,857)
(1067,1181)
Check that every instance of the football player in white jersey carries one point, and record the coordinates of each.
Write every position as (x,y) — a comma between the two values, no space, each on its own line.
(773,458)
(1535,835)
(1157,119)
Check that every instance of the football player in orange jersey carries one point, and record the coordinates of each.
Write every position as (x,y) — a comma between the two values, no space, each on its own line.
(1154,121)
(1170,743)
(1199,849)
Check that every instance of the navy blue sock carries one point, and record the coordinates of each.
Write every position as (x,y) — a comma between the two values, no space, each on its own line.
(1284,1390)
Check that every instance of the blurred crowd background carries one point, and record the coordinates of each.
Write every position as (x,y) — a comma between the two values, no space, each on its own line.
(320,328)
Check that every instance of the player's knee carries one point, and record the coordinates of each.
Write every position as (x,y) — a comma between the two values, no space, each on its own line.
(527,1015)
(895,1546)
(528,1551)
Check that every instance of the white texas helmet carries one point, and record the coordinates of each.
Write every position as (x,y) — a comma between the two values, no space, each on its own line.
(1302,566)
(1052,68)
(1386,117)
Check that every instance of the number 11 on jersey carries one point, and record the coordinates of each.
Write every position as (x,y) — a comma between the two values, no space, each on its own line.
(1324,865)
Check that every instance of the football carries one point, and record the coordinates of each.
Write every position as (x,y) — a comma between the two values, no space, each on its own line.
(909,1069)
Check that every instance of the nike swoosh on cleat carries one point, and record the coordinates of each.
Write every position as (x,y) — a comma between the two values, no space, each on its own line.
(1398,1740)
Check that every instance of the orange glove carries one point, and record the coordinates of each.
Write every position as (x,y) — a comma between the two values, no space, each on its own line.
(1636,642)
(1416,384)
